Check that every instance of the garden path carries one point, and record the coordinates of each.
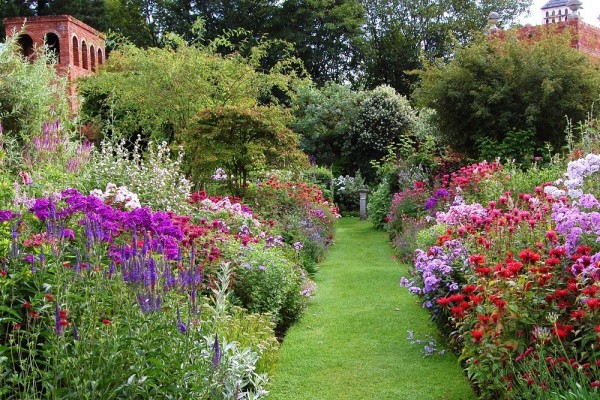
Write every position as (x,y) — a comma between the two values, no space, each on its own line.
(352,341)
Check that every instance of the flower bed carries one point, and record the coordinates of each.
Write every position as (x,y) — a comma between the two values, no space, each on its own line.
(102,296)
(515,284)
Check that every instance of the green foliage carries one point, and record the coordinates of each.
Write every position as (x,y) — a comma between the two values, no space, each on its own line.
(384,119)
(348,129)
(517,180)
(242,141)
(323,117)
(327,35)
(378,204)
(266,282)
(30,92)
(401,34)
(156,93)
(503,91)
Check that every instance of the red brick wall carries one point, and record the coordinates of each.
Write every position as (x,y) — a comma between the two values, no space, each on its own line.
(72,60)
(586,37)
(66,28)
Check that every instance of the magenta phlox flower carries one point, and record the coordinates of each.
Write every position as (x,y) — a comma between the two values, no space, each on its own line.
(6,215)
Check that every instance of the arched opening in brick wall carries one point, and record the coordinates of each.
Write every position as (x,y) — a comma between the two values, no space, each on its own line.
(84,55)
(75,51)
(92,57)
(26,43)
(53,44)
(100,60)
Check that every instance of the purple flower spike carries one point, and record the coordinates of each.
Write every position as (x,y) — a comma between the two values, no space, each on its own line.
(57,326)
(216,360)
(75,332)
(180,325)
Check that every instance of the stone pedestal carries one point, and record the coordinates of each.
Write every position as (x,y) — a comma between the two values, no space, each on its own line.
(363,203)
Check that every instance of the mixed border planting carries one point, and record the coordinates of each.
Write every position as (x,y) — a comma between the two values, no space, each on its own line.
(511,275)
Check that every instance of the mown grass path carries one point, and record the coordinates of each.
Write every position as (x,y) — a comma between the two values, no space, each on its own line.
(352,341)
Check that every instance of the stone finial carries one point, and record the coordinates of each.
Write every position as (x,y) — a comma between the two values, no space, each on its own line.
(574,6)
(492,21)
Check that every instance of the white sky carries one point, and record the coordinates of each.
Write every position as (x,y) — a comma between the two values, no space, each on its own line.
(590,10)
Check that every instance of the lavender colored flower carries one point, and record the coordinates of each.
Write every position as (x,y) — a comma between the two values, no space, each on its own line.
(298,246)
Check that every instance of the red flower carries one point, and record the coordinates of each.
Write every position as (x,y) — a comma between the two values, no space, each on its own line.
(106,321)
(3,273)
(562,292)
(590,290)
(477,335)
(593,304)
(528,255)
(551,236)
(49,297)
(477,259)
(458,312)
(578,314)
(27,304)
(476,299)
(468,289)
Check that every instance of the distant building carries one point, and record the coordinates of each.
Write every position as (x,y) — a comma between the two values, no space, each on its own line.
(78,47)
(558,16)
(555,11)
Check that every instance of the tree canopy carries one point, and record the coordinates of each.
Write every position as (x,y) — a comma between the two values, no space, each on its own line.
(510,94)
(366,42)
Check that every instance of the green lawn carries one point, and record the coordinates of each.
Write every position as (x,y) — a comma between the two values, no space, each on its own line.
(351,343)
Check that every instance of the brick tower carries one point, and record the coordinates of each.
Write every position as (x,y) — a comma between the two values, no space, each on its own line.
(79,48)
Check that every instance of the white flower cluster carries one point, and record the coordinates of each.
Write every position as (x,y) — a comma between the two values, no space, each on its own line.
(120,196)
(220,175)
(157,179)
(577,171)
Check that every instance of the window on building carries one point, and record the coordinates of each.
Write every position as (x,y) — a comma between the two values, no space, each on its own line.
(100,60)
(26,44)
(53,44)
(75,51)
(92,58)
(84,55)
